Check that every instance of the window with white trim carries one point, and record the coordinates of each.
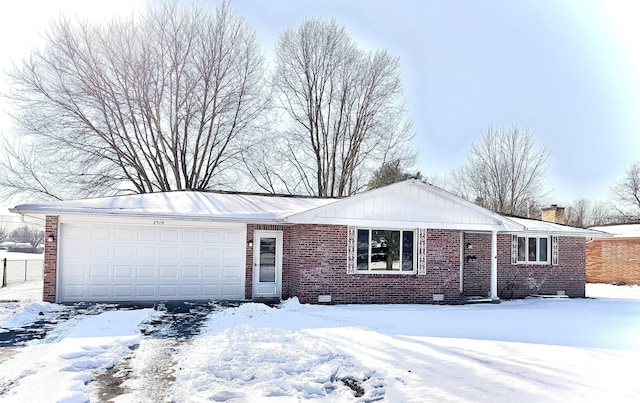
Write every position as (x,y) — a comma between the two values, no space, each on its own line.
(533,249)
(385,250)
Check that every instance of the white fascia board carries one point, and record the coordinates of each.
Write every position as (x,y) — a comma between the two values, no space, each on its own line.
(364,223)
(247,219)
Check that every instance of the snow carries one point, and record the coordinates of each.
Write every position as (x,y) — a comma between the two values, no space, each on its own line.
(527,350)
(620,230)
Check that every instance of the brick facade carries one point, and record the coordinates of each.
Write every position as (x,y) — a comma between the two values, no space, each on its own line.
(613,260)
(50,259)
(522,280)
(314,263)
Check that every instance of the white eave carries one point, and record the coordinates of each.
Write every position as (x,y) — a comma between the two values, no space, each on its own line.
(549,228)
(186,205)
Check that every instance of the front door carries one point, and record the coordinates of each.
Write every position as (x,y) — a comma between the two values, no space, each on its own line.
(267,264)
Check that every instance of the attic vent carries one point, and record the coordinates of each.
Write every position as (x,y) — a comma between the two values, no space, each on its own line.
(324,298)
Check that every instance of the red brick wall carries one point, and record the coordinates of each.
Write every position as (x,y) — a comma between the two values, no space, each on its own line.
(50,259)
(614,260)
(315,263)
(315,259)
(519,281)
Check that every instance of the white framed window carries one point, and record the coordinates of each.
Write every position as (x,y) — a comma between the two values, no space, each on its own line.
(533,249)
(385,250)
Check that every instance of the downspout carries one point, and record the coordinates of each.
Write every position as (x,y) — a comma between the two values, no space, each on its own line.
(494,265)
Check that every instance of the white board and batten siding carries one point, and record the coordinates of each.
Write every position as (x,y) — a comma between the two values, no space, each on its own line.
(150,260)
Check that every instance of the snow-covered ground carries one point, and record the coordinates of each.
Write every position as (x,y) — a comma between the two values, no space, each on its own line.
(527,351)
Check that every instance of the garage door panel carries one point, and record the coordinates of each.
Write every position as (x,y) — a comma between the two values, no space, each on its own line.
(123,262)
(101,233)
(146,252)
(167,235)
(147,234)
(123,291)
(123,272)
(168,291)
(190,253)
(99,271)
(211,253)
(99,291)
(145,291)
(168,272)
(190,271)
(212,236)
(190,236)
(124,234)
(210,271)
(146,271)
(123,252)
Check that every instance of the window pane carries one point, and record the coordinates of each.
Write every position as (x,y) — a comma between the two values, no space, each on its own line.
(385,250)
(543,249)
(267,260)
(533,250)
(407,250)
(522,249)
(363,249)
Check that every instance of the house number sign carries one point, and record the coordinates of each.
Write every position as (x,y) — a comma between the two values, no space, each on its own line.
(158,222)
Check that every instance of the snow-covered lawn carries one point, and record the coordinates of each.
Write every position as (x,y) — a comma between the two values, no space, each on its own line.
(527,351)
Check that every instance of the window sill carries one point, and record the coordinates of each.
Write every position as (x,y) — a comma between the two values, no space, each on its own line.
(394,272)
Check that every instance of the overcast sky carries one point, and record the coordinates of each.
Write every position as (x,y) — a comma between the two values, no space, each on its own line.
(567,69)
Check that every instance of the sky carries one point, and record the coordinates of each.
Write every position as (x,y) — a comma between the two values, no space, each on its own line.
(567,69)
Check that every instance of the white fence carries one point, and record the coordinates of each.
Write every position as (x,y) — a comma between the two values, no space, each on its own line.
(16,271)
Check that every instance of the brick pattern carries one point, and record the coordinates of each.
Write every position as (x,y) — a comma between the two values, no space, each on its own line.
(50,259)
(522,280)
(315,263)
(248,286)
(615,260)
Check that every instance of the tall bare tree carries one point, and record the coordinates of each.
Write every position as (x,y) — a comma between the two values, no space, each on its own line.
(159,101)
(585,213)
(342,108)
(627,192)
(504,171)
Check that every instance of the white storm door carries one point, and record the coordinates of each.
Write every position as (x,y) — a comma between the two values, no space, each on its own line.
(267,264)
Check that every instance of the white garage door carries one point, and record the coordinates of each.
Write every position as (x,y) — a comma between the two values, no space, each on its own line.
(121,262)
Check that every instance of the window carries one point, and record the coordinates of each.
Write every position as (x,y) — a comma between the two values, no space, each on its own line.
(533,249)
(385,250)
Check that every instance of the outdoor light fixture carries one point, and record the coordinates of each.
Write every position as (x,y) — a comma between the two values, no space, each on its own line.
(51,238)
(250,244)
(469,246)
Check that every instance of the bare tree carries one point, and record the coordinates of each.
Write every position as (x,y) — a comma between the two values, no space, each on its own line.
(585,213)
(161,101)
(627,192)
(4,233)
(343,112)
(27,234)
(504,171)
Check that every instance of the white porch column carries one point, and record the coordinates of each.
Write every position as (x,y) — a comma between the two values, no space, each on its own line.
(494,264)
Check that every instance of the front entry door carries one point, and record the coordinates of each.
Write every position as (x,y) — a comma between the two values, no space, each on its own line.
(267,264)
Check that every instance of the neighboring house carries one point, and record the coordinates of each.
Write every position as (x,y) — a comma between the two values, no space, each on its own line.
(615,259)
(409,242)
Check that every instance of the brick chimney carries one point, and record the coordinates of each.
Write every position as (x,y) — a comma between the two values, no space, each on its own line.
(553,213)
